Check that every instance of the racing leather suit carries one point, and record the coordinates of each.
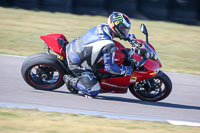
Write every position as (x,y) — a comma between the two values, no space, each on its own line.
(85,52)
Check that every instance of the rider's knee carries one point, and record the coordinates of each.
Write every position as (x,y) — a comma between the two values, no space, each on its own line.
(92,90)
(95,90)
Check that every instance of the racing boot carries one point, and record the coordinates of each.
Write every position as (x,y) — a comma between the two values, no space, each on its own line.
(71,83)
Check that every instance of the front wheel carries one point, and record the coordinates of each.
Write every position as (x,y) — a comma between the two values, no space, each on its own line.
(154,89)
(43,72)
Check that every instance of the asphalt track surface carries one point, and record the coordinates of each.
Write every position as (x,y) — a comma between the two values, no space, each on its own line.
(183,104)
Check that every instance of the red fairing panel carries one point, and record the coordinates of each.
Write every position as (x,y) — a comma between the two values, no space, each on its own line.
(115,85)
(52,43)
(141,75)
(150,65)
(119,84)
(119,56)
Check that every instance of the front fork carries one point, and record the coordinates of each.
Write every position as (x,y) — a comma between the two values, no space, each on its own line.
(148,82)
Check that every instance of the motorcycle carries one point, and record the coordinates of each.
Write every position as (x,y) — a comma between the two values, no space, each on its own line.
(45,71)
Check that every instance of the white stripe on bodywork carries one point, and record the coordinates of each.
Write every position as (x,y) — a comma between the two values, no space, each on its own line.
(116,86)
(96,48)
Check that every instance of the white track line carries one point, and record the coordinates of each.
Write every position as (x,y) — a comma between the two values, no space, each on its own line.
(186,123)
(95,113)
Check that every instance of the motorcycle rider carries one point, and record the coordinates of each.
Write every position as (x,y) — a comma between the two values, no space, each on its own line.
(84,53)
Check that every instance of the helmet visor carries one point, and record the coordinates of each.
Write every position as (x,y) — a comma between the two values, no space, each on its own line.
(124,29)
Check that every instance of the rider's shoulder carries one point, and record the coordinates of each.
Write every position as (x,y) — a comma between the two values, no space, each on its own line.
(104,26)
(104,30)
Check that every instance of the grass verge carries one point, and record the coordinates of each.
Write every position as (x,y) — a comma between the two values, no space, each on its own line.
(20,30)
(33,121)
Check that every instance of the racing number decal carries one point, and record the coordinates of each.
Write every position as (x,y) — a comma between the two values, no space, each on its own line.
(133,79)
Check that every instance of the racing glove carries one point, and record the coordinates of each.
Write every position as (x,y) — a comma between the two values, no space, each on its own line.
(130,37)
(132,40)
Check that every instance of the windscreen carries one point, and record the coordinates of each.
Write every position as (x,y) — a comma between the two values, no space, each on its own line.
(150,50)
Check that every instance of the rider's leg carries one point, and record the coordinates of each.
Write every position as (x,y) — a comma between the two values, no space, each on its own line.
(83,80)
(86,83)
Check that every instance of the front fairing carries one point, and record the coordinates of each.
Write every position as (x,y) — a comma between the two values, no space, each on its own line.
(151,49)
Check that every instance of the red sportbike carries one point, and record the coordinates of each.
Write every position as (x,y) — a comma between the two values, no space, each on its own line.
(44,71)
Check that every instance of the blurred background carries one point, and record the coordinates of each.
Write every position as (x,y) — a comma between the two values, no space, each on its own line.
(173,26)
(181,11)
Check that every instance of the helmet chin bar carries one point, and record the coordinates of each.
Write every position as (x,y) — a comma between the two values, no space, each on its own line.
(119,34)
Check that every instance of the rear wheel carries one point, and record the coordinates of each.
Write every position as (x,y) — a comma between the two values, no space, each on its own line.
(155,89)
(43,72)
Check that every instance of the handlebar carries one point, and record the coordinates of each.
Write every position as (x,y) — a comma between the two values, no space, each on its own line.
(134,63)
(135,43)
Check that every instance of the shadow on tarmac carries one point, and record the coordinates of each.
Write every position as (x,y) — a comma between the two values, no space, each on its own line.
(161,104)
(129,100)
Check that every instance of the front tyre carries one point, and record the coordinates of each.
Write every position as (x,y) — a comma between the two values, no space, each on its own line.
(154,89)
(43,72)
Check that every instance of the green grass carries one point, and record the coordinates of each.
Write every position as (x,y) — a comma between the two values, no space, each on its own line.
(33,121)
(178,45)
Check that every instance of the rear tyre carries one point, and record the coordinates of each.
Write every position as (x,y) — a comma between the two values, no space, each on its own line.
(161,87)
(43,72)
